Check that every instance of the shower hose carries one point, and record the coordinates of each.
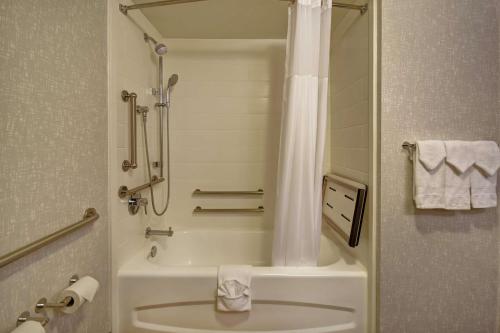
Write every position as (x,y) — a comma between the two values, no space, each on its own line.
(153,204)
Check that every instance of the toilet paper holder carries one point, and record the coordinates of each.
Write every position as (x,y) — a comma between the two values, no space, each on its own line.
(26,316)
(43,304)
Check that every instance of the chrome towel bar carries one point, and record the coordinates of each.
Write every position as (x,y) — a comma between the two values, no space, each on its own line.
(124,192)
(89,216)
(200,192)
(410,147)
(199,209)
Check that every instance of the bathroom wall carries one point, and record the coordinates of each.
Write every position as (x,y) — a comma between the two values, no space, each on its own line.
(133,67)
(53,152)
(498,140)
(349,107)
(439,80)
(225,120)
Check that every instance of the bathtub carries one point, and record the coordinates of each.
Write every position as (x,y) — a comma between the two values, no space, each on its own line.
(175,290)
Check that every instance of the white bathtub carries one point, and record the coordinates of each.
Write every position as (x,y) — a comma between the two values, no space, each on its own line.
(175,291)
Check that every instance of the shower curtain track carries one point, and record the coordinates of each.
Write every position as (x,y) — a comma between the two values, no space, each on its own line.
(124,8)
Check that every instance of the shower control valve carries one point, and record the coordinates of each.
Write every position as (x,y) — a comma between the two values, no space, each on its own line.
(135,202)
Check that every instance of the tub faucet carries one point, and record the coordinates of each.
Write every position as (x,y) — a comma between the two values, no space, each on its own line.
(150,232)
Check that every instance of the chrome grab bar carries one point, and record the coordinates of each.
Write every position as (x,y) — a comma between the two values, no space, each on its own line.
(150,232)
(124,192)
(131,98)
(199,209)
(90,216)
(200,192)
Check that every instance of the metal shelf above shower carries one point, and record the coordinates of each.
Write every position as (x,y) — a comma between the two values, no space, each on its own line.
(203,192)
(124,192)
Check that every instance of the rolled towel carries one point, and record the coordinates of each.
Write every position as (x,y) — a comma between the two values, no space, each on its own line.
(484,174)
(81,291)
(429,175)
(29,326)
(459,159)
(233,288)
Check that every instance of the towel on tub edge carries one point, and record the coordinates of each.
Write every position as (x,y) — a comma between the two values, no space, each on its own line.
(233,288)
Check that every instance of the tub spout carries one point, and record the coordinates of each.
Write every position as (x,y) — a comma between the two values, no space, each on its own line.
(150,232)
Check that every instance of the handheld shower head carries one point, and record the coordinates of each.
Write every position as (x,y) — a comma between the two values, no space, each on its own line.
(172,81)
(160,48)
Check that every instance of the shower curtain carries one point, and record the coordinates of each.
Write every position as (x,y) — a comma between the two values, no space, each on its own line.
(297,225)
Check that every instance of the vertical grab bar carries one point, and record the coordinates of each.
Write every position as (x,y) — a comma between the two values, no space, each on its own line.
(131,98)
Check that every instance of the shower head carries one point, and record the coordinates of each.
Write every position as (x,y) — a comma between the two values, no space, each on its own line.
(160,48)
(172,81)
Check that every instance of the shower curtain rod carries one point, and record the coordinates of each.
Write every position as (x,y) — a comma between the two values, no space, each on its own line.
(124,8)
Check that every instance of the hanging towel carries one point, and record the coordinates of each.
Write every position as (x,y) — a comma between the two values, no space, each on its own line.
(429,175)
(484,174)
(233,290)
(459,159)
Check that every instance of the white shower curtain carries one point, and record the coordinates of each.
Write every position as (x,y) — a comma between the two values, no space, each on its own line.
(297,225)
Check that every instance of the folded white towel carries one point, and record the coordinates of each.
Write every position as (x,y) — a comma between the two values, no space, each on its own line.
(233,288)
(429,175)
(459,159)
(484,174)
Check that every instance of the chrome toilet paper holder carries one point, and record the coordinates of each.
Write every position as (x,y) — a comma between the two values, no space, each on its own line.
(43,304)
(26,316)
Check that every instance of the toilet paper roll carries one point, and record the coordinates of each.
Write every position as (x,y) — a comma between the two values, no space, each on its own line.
(82,290)
(29,326)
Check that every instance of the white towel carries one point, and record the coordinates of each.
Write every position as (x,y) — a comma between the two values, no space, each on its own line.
(459,159)
(233,288)
(429,175)
(484,174)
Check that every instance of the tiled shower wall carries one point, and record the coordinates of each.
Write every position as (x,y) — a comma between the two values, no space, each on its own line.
(225,124)
(349,90)
(132,67)
(53,152)
(440,70)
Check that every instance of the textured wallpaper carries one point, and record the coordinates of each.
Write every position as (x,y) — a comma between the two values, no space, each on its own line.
(438,269)
(53,139)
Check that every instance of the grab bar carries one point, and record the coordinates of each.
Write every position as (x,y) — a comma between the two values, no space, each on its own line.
(200,192)
(199,209)
(124,192)
(90,216)
(131,98)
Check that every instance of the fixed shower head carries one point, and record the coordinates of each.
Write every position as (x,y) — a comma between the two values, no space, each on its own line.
(160,48)
(172,81)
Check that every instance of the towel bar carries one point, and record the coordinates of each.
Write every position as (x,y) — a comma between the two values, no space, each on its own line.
(410,147)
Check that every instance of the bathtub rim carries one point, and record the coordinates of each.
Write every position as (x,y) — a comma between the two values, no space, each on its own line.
(346,265)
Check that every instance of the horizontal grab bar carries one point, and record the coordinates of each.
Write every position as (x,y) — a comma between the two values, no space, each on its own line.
(199,209)
(90,216)
(124,192)
(200,192)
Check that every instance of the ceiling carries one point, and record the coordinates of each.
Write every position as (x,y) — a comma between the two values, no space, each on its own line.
(224,19)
